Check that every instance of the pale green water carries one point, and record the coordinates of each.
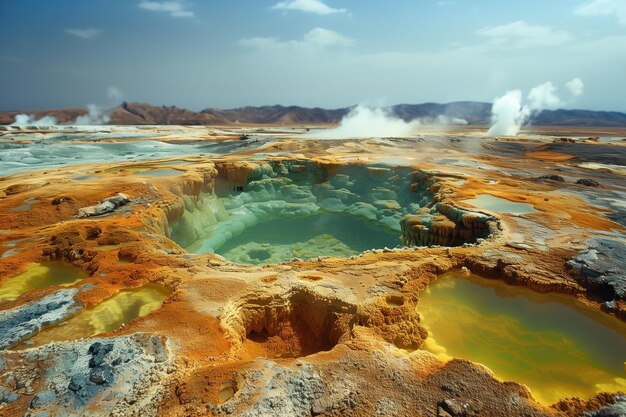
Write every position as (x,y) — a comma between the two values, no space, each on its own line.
(490,202)
(39,276)
(84,177)
(305,238)
(162,172)
(551,343)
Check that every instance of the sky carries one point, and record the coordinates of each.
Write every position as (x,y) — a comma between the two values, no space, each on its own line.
(329,53)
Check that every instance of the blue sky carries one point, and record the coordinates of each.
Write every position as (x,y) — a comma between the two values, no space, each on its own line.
(329,53)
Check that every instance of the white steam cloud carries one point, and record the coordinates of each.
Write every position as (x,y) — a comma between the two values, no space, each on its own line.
(367,122)
(576,87)
(100,115)
(95,116)
(543,96)
(29,120)
(509,114)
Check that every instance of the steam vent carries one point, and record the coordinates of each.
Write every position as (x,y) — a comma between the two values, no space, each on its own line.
(277,271)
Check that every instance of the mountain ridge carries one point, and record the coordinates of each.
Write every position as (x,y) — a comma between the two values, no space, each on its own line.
(475,113)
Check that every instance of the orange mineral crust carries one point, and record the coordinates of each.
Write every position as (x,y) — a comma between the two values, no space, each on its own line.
(129,288)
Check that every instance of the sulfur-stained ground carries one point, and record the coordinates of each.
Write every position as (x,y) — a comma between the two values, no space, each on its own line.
(327,336)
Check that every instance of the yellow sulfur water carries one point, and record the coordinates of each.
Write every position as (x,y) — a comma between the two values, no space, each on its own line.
(551,343)
(107,316)
(40,276)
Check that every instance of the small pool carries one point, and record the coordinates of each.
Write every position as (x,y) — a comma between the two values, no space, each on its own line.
(163,172)
(551,343)
(502,205)
(107,316)
(609,139)
(305,238)
(39,276)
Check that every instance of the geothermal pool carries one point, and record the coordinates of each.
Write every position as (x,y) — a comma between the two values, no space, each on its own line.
(106,316)
(39,276)
(299,209)
(551,343)
(502,205)
(305,238)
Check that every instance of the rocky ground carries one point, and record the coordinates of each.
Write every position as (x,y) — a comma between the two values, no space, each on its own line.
(327,336)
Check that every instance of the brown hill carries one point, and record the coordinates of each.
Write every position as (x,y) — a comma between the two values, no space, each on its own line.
(147,114)
(62,115)
(475,113)
(278,114)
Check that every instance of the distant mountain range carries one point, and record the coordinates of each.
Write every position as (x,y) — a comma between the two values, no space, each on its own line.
(475,113)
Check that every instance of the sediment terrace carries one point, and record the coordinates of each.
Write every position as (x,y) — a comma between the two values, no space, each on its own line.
(190,304)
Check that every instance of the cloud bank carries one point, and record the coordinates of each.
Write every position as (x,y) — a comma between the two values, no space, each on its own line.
(84,33)
(174,8)
(318,38)
(519,34)
(307,6)
(615,8)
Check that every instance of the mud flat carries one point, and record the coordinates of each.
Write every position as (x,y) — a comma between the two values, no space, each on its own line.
(183,271)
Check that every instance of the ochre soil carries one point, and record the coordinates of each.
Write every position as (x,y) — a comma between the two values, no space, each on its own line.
(334,314)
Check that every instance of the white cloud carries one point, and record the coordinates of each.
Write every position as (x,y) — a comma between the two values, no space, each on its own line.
(83,33)
(520,34)
(576,87)
(307,6)
(174,8)
(543,96)
(325,37)
(604,8)
(314,39)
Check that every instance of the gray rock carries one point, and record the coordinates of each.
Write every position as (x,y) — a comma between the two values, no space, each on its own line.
(617,409)
(453,407)
(70,384)
(78,382)
(108,205)
(102,375)
(602,267)
(588,182)
(28,319)
(43,398)
(98,351)
(7,396)
(557,178)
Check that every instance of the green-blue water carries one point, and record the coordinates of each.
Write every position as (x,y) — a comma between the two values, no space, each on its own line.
(551,343)
(305,238)
(490,202)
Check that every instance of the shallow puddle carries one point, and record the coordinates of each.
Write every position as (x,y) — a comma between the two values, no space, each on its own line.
(609,139)
(551,343)
(40,276)
(107,316)
(493,203)
(163,172)
(305,238)
(84,177)
(226,394)
(26,205)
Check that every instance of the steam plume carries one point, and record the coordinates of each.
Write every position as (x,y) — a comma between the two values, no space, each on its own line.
(509,114)
(29,120)
(97,115)
(366,122)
